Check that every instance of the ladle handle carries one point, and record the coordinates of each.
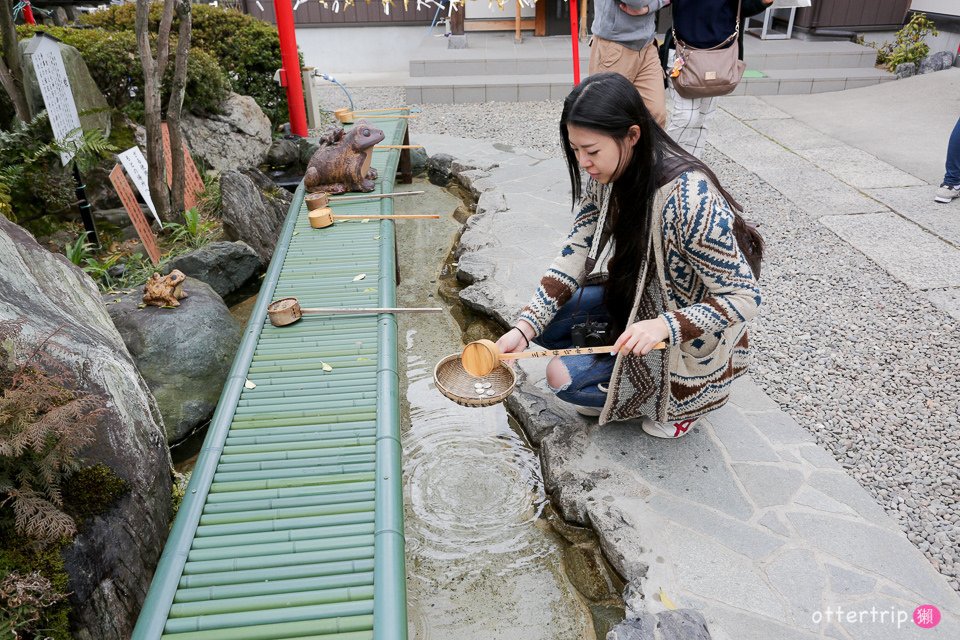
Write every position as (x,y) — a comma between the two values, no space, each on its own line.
(374,195)
(573,351)
(404,216)
(382,110)
(398,146)
(363,117)
(341,311)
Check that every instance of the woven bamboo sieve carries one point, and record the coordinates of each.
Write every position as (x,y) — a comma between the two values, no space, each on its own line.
(458,385)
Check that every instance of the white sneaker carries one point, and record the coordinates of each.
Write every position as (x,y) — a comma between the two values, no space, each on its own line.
(946,193)
(667,429)
(590,412)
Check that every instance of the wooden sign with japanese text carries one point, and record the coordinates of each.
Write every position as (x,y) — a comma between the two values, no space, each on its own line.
(57,95)
(136,165)
(130,203)
(192,182)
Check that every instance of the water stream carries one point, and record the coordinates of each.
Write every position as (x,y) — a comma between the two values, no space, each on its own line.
(483,559)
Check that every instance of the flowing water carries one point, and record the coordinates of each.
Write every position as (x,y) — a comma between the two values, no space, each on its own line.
(483,560)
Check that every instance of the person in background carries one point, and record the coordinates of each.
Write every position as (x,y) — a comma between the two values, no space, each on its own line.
(623,42)
(703,24)
(950,188)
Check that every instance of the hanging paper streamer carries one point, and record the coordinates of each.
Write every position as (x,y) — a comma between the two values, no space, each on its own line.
(336,6)
(297,5)
(260,6)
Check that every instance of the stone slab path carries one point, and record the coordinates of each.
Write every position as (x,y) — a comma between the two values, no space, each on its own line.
(905,232)
(746,519)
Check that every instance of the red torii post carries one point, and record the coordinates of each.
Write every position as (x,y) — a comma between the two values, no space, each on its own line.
(575,40)
(290,72)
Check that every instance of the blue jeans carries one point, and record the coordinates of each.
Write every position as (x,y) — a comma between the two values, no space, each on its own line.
(952,177)
(587,372)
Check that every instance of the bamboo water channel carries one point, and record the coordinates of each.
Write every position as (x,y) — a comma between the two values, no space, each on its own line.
(486,557)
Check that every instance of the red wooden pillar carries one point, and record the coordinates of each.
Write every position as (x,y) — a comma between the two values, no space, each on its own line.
(575,39)
(290,72)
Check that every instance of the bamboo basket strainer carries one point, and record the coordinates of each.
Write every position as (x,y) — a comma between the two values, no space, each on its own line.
(453,381)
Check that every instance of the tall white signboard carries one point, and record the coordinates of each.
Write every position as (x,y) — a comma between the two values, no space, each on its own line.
(136,165)
(57,95)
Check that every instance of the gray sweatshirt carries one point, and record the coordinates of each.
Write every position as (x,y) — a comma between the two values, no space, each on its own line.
(612,23)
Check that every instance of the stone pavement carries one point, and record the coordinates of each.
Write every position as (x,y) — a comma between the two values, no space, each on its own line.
(746,519)
(824,157)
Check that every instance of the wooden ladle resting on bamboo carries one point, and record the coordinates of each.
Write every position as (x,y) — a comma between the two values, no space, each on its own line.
(346,116)
(324,217)
(288,310)
(480,357)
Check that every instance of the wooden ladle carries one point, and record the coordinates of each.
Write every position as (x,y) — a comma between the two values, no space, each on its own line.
(324,217)
(346,116)
(480,357)
(288,310)
(322,199)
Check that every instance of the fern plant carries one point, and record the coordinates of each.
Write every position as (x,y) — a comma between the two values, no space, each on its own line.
(43,427)
(22,601)
(33,183)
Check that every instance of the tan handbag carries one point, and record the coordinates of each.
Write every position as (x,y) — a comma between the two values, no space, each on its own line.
(705,73)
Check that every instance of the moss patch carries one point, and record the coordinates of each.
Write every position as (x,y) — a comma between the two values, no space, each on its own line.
(92,491)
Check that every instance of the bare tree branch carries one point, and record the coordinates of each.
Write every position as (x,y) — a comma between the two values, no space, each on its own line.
(11,67)
(175,105)
(152,82)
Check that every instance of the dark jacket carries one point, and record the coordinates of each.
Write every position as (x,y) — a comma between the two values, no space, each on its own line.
(707,23)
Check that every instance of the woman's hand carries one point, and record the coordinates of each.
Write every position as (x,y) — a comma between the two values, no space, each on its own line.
(640,337)
(516,339)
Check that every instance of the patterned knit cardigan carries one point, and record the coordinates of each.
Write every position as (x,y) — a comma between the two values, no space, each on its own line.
(705,291)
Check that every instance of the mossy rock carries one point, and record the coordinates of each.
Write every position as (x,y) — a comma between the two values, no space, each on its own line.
(92,491)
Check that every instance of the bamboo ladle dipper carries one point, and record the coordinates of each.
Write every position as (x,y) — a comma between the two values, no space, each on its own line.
(480,357)
(324,217)
(321,199)
(346,116)
(288,310)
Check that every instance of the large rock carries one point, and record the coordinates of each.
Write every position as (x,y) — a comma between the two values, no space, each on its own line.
(936,62)
(283,153)
(86,93)
(236,138)
(225,266)
(45,299)
(184,354)
(906,70)
(253,209)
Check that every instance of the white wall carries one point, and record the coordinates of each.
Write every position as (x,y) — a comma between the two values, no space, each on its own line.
(946,7)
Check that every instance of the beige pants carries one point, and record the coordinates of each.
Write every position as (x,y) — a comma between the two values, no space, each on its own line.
(642,68)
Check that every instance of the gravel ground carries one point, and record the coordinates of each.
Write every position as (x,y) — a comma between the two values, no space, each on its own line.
(863,364)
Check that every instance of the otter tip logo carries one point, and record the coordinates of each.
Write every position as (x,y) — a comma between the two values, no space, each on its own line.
(926,616)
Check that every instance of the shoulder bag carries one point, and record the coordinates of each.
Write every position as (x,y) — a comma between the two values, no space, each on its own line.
(705,73)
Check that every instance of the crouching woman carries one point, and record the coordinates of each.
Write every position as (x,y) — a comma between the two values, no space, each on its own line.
(679,271)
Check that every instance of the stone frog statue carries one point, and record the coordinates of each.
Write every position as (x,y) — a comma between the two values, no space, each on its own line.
(165,291)
(342,163)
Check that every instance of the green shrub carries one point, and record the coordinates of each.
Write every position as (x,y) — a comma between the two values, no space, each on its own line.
(33,184)
(910,45)
(112,59)
(246,48)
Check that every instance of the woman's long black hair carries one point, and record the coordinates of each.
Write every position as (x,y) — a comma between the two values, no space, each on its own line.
(609,104)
